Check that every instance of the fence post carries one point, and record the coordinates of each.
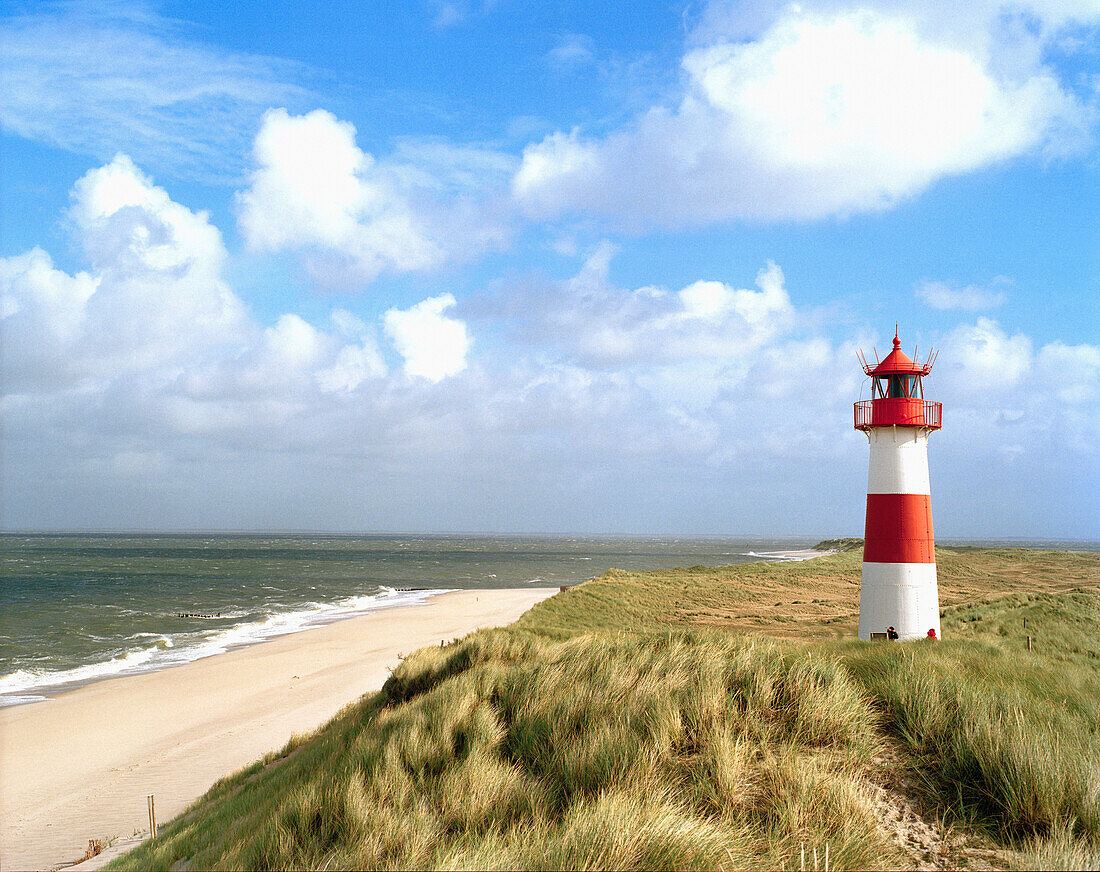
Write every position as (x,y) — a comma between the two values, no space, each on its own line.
(1029,643)
(152,816)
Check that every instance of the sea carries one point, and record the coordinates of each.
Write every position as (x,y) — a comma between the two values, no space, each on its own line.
(81,608)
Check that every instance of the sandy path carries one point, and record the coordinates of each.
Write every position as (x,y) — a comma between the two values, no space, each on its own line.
(79,766)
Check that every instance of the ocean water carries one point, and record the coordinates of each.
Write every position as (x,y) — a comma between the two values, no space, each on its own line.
(75,609)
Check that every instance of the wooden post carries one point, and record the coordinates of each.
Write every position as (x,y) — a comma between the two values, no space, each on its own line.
(826,857)
(1025,623)
(802,857)
(815,858)
(1029,643)
(152,816)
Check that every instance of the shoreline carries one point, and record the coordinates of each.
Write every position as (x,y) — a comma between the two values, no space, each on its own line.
(44,693)
(174,732)
(792,556)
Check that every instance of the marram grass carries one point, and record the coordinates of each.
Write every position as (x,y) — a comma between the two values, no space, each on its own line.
(568,741)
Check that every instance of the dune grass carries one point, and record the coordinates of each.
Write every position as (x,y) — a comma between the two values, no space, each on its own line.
(623,725)
(1004,737)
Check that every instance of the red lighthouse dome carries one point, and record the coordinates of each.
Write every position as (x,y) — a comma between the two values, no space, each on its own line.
(897,394)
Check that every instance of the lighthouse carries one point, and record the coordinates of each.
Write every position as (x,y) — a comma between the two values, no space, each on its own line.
(898,588)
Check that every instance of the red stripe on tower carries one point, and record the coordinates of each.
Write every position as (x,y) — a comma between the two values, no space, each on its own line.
(899,529)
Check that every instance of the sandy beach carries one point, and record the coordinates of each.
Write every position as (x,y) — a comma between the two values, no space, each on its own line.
(799,554)
(79,766)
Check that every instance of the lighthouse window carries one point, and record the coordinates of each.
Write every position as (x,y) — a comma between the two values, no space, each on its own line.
(897,386)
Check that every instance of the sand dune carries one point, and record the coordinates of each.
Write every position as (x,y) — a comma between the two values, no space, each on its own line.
(79,766)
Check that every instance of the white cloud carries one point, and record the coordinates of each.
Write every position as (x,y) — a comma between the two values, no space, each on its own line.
(609,327)
(449,13)
(819,114)
(972,298)
(314,190)
(354,364)
(315,187)
(43,310)
(1003,399)
(978,24)
(155,314)
(573,50)
(433,345)
(155,294)
(33,284)
(986,358)
(95,82)
(1072,374)
(437,165)
(145,379)
(293,343)
(715,301)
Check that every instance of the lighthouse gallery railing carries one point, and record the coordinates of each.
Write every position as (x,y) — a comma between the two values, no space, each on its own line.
(899,411)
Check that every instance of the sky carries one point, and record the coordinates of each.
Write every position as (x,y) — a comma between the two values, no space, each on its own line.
(489,266)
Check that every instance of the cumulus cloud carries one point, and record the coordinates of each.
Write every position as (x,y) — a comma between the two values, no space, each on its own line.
(994,379)
(602,325)
(433,345)
(314,187)
(979,24)
(1072,373)
(95,82)
(818,114)
(145,378)
(1006,400)
(987,358)
(42,310)
(155,325)
(154,295)
(972,298)
(315,191)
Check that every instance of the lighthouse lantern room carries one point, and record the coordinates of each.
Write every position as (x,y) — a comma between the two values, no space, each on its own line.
(898,589)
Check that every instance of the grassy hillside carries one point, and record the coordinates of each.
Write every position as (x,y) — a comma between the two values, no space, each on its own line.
(703,718)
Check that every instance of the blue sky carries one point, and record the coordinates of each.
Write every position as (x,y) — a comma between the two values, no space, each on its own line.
(490,266)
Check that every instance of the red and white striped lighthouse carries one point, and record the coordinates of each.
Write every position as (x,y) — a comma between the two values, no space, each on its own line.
(898,588)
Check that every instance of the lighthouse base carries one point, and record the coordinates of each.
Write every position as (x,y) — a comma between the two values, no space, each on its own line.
(899,595)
